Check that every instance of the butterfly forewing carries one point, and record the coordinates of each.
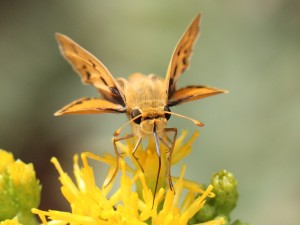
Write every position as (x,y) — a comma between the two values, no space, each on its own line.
(91,70)
(90,106)
(181,55)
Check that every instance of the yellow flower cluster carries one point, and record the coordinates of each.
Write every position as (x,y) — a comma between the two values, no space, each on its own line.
(93,205)
(19,190)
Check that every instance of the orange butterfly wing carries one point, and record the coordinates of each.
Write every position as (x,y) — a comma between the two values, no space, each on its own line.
(91,70)
(191,93)
(179,63)
(181,55)
(90,106)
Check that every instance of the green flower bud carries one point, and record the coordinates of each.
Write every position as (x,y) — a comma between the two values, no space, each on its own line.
(238,222)
(9,207)
(225,188)
(205,214)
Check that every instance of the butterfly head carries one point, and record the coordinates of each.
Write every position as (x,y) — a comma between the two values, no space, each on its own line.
(144,120)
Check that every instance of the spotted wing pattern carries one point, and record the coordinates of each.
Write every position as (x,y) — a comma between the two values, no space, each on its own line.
(181,55)
(90,69)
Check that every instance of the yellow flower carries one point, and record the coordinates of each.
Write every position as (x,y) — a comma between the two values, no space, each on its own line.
(7,158)
(19,190)
(149,160)
(91,204)
(10,222)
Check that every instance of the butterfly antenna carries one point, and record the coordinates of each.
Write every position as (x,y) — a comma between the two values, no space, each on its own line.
(159,162)
(117,132)
(197,122)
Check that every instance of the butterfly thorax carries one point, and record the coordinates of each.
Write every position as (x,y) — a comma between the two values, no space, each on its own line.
(148,95)
(145,92)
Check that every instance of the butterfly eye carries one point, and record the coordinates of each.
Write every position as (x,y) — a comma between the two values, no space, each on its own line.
(136,113)
(167,109)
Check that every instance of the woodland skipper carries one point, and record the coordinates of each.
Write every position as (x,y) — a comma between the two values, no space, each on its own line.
(145,99)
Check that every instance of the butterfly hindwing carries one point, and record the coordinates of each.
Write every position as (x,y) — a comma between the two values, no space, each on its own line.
(191,93)
(90,69)
(181,55)
(90,106)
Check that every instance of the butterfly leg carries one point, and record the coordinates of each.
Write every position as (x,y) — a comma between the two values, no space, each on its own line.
(166,143)
(115,140)
(169,141)
(171,148)
(118,155)
(134,150)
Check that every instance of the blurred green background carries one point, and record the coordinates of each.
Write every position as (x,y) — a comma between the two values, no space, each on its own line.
(250,48)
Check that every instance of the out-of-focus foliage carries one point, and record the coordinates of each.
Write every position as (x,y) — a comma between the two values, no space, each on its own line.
(250,48)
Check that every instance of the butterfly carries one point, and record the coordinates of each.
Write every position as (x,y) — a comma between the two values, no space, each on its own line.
(145,99)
